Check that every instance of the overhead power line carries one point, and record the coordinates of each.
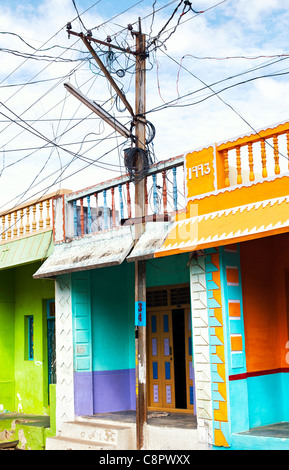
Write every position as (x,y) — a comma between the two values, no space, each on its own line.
(119,64)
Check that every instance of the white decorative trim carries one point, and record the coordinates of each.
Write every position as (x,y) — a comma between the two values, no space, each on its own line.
(256,132)
(64,351)
(237,186)
(226,236)
(201,347)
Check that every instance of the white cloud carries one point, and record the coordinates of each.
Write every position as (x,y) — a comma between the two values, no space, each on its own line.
(232,29)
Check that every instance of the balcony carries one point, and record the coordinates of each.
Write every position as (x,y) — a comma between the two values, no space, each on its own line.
(27,229)
(236,191)
(222,194)
(255,157)
(95,227)
(111,204)
(28,219)
(245,170)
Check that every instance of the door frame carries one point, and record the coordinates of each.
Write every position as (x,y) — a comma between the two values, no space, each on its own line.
(51,368)
(169,308)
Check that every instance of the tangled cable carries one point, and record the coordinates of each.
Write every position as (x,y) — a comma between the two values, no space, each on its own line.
(131,158)
(138,160)
(187,7)
(150,130)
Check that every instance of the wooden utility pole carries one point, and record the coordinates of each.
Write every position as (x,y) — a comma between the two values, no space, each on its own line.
(140,266)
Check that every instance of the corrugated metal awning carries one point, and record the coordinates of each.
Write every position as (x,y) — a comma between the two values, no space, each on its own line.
(228,226)
(26,250)
(96,251)
(151,241)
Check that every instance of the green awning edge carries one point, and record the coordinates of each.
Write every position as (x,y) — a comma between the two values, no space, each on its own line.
(26,250)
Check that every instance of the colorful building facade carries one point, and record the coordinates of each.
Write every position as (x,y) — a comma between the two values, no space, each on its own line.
(27,313)
(217,293)
(238,229)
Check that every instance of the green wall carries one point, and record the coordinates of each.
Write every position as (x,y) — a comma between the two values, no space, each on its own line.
(7,342)
(26,389)
(31,376)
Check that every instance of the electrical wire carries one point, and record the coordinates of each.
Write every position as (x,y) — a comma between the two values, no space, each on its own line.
(28,127)
(171,103)
(144,18)
(214,93)
(131,157)
(78,15)
(172,30)
(128,69)
(43,58)
(20,121)
(116,16)
(153,17)
(217,94)
(34,103)
(47,188)
(187,7)
(38,99)
(196,15)
(46,145)
(36,82)
(48,40)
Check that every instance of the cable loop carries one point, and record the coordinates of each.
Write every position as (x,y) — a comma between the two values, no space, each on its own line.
(131,157)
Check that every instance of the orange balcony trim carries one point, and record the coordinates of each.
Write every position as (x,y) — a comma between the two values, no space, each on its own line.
(245,139)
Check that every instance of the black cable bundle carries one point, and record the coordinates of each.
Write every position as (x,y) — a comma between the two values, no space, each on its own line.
(131,156)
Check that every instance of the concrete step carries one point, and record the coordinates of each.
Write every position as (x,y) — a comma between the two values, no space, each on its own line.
(118,435)
(70,443)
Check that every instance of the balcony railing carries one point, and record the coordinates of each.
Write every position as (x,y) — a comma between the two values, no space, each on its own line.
(255,157)
(112,203)
(27,219)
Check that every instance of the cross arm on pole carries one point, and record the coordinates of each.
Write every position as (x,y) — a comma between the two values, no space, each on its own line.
(86,41)
(108,118)
(107,74)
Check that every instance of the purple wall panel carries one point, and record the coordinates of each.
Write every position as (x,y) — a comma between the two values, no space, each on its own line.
(83,397)
(104,391)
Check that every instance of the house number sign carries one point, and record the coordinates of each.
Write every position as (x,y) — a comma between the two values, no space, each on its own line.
(140,313)
(199,170)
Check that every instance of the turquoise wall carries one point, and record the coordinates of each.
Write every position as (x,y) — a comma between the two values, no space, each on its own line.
(245,442)
(112,307)
(239,413)
(168,270)
(103,302)
(256,398)
(81,312)
(268,399)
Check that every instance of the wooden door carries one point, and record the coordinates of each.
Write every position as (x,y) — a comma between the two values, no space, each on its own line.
(169,349)
(160,360)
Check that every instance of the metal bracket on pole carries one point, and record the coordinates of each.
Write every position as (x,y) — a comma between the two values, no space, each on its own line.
(97,109)
(107,74)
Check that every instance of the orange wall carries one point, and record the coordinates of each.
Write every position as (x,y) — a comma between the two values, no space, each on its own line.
(263,264)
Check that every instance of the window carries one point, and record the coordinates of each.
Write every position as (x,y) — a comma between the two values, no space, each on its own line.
(157,298)
(50,309)
(51,342)
(29,338)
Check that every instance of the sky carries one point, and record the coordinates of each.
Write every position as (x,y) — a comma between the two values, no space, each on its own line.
(215,71)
